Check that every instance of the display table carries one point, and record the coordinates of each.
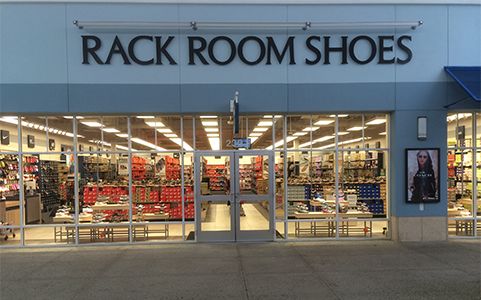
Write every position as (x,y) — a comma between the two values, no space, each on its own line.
(327,225)
(461,220)
(99,207)
(106,232)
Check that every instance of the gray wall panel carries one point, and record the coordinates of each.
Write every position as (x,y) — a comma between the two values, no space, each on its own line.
(34,98)
(404,135)
(252,97)
(341,97)
(124,98)
(197,98)
(421,95)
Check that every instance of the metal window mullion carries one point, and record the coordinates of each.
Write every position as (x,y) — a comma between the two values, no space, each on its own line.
(273,134)
(76,180)
(220,134)
(388,174)
(336,175)
(129,166)
(47,135)
(474,168)
(21,193)
(193,133)
(286,203)
(273,185)
(182,184)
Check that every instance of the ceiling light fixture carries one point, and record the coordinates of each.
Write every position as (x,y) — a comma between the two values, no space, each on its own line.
(214,143)
(264,123)
(110,130)
(260,129)
(155,124)
(147,144)
(91,123)
(376,122)
(211,129)
(210,123)
(310,129)
(164,130)
(323,122)
(357,128)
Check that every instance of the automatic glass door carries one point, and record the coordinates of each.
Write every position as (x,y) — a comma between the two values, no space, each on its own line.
(234,195)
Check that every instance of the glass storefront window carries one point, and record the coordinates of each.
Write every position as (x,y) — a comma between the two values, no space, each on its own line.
(463,173)
(131,178)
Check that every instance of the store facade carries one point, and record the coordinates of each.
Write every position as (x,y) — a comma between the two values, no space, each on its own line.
(118,127)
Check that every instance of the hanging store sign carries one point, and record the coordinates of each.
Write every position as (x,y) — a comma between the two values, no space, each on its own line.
(382,49)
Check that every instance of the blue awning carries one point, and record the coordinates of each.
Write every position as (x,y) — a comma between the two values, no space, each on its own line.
(469,78)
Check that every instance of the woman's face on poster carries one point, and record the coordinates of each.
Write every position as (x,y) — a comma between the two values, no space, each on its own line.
(422,158)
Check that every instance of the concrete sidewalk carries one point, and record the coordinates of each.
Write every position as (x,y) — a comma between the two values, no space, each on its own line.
(321,270)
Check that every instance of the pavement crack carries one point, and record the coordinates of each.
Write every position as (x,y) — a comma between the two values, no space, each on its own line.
(244,281)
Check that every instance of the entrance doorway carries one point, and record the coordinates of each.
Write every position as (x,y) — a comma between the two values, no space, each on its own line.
(234,195)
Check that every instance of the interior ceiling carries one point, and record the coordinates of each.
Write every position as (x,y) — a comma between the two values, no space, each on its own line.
(140,129)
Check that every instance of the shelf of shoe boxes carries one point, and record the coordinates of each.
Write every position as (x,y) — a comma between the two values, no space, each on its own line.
(245,177)
(157,200)
(49,184)
(460,184)
(65,184)
(216,175)
(261,182)
(9,185)
(171,193)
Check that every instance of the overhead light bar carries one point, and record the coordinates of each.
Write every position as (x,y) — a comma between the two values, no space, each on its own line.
(122,135)
(155,124)
(91,123)
(110,130)
(382,133)
(170,135)
(214,143)
(264,123)
(323,139)
(195,25)
(208,117)
(260,129)
(14,121)
(145,117)
(211,129)
(339,116)
(310,129)
(357,128)
(256,134)
(342,133)
(184,145)
(164,130)
(300,133)
(147,144)
(212,135)
(324,122)
(71,117)
(376,122)
(210,123)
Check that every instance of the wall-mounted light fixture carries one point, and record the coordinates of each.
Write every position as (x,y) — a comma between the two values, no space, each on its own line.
(196,25)
(422,128)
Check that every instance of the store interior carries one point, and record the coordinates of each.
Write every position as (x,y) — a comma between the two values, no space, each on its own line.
(464,174)
(100,179)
